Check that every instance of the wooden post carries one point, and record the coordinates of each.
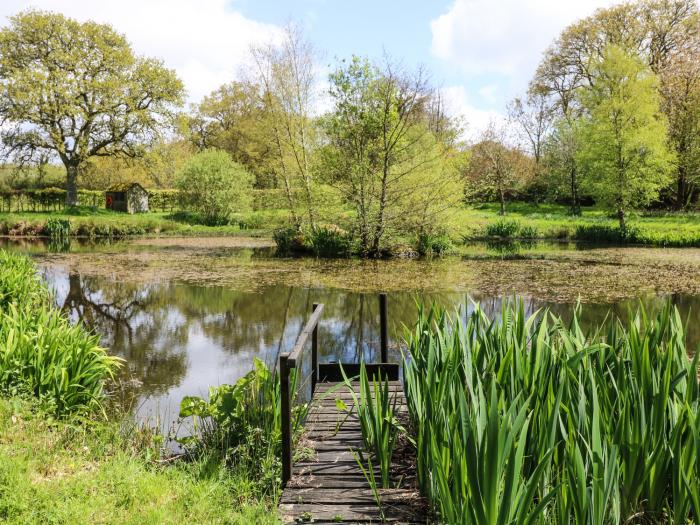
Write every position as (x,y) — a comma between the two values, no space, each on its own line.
(383,327)
(286,420)
(314,354)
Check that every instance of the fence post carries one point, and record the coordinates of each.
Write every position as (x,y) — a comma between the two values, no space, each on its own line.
(286,420)
(314,354)
(383,327)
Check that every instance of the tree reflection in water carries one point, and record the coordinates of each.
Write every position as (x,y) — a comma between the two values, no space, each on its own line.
(179,339)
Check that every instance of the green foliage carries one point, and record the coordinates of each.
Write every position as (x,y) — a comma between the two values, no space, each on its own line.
(290,240)
(112,472)
(58,228)
(80,83)
(623,138)
(394,186)
(503,228)
(242,424)
(330,241)
(433,243)
(214,186)
(528,231)
(531,420)
(41,352)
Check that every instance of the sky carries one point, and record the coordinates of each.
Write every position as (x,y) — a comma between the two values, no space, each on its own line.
(481,53)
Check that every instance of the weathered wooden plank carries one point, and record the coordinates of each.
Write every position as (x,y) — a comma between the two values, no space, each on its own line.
(393,513)
(340,495)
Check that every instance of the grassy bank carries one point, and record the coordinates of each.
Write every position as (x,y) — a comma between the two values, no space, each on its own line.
(109,472)
(523,221)
(89,222)
(64,460)
(553,222)
(535,421)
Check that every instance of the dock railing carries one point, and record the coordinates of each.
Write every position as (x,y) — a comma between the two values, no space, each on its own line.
(289,361)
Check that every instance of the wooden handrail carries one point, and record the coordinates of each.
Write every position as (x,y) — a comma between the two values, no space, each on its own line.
(304,335)
(288,360)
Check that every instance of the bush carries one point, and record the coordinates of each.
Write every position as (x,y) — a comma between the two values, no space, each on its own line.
(503,228)
(290,240)
(57,228)
(330,241)
(433,244)
(212,185)
(606,233)
(42,353)
(528,232)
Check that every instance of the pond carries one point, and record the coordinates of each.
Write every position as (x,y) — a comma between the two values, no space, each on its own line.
(187,314)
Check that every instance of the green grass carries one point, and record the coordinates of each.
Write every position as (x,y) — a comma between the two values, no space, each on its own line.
(530,420)
(60,472)
(551,221)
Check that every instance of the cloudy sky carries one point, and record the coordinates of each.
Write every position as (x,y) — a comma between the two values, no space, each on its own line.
(480,52)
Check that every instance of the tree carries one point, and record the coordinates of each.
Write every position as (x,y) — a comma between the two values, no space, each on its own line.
(496,168)
(214,186)
(286,74)
(534,116)
(77,91)
(665,34)
(390,151)
(680,90)
(623,146)
(234,118)
(560,154)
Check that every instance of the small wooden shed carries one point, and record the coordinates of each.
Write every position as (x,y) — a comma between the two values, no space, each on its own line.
(129,197)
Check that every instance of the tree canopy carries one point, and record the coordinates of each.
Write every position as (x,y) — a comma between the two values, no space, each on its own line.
(76,91)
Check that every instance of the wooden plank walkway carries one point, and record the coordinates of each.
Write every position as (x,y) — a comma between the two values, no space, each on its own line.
(327,485)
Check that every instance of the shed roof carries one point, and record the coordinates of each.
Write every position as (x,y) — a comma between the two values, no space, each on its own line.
(124,186)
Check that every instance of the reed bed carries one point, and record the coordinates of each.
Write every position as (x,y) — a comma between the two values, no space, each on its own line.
(528,420)
(42,353)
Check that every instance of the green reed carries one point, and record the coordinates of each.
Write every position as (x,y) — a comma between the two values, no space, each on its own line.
(532,420)
(41,352)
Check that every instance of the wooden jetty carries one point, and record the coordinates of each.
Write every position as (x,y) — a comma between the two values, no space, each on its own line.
(325,484)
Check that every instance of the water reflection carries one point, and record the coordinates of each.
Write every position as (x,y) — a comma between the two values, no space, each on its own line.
(178,339)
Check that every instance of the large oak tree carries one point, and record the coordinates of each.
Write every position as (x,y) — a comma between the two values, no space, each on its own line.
(76,91)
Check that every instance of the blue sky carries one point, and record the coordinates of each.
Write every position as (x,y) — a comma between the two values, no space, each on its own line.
(481,53)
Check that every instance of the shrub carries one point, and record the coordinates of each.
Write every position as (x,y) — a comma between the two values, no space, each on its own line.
(503,228)
(41,352)
(606,233)
(212,185)
(290,240)
(433,244)
(57,228)
(528,232)
(330,241)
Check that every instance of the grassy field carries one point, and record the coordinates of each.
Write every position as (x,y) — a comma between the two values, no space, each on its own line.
(58,471)
(524,220)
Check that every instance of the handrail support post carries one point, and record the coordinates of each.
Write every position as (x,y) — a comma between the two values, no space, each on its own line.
(384,327)
(286,419)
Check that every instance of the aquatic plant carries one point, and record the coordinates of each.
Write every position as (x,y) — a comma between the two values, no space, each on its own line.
(531,420)
(241,423)
(503,228)
(41,352)
(57,228)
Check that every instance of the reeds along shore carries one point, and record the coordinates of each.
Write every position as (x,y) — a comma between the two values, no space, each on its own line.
(531,420)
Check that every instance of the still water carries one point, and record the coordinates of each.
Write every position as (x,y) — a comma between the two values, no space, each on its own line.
(188,314)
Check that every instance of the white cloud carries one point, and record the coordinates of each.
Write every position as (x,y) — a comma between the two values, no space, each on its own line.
(457,103)
(504,37)
(205,41)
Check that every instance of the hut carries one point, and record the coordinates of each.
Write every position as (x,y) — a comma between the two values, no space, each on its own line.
(129,197)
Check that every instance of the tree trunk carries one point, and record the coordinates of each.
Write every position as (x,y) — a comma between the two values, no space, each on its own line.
(503,202)
(71,185)
(681,189)
(621,218)
(575,201)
